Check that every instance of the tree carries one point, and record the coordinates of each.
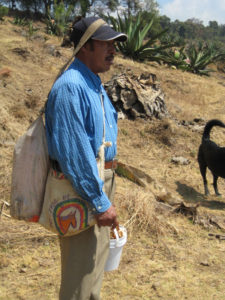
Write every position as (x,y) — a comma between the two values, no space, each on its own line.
(150,6)
(11,3)
(133,6)
(214,25)
(101,8)
(112,4)
(222,30)
(34,5)
(182,31)
(194,21)
(164,21)
(47,6)
(85,6)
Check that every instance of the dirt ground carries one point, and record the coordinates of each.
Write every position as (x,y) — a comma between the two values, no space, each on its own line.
(168,255)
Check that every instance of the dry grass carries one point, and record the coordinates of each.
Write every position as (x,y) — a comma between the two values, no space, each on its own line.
(138,212)
(166,256)
(28,254)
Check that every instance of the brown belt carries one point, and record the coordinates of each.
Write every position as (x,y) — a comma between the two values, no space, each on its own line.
(112,164)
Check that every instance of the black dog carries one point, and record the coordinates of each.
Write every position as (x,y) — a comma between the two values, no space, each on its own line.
(211,156)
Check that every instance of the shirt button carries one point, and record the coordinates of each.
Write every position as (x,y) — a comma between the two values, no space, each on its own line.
(99,207)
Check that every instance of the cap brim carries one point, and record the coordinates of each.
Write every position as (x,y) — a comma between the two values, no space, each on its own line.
(106,33)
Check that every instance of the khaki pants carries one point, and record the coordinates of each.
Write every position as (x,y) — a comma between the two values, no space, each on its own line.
(83,257)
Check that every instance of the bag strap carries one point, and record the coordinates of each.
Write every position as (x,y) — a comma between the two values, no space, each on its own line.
(103,114)
(101,153)
(88,33)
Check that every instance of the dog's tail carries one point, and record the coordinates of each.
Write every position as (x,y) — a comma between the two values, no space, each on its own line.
(209,125)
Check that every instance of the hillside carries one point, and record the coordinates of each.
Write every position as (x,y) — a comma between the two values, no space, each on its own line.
(169,255)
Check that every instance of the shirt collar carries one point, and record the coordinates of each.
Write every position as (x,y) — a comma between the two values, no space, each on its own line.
(86,72)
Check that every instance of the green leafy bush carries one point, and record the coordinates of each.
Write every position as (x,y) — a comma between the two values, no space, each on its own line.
(138,46)
(3,12)
(57,24)
(20,21)
(31,29)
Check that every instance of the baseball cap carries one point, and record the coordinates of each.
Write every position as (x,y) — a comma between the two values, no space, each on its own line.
(103,33)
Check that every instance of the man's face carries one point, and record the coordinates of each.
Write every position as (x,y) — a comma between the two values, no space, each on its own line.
(101,55)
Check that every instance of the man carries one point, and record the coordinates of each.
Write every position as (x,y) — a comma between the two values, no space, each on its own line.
(74,129)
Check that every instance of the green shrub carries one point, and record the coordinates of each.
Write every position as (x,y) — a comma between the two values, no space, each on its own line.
(57,24)
(31,29)
(20,21)
(3,12)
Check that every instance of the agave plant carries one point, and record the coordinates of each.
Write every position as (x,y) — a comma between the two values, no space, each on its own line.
(200,56)
(193,58)
(139,46)
(174,58)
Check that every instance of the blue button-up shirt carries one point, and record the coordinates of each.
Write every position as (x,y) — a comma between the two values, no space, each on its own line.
(74,129)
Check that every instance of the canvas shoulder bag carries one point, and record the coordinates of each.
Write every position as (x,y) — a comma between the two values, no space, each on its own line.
(29,173)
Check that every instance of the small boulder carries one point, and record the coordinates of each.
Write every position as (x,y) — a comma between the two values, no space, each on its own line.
(180,160)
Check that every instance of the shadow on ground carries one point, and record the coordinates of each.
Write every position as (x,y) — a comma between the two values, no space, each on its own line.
(189,194)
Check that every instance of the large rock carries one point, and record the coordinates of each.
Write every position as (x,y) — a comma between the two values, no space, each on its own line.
(136,96)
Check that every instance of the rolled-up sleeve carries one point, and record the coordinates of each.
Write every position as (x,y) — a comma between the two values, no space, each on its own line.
(69,144)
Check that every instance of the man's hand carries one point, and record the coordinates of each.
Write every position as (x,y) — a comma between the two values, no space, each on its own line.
(108,218)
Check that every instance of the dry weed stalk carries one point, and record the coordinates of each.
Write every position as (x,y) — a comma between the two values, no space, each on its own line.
(2,206)
(140,205)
